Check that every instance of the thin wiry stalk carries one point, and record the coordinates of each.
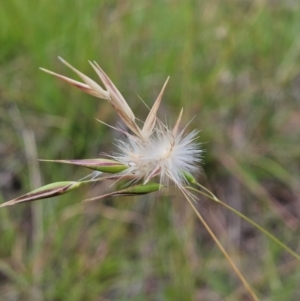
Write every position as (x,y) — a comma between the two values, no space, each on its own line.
(211,196)
(233,265)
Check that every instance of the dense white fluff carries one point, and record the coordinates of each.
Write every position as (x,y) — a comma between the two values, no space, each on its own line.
(163,154)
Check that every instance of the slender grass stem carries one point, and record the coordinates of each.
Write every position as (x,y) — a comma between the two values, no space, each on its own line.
(233,265)
(211,196)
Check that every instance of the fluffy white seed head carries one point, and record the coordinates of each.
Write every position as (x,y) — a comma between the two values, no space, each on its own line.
(165,154)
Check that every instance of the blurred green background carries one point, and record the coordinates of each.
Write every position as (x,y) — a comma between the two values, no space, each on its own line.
(234,67)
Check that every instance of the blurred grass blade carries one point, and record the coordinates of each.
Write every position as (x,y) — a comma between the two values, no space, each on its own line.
(131,191)
(104,165)
(43,192)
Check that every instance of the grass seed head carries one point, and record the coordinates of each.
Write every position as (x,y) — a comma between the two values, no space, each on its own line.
(154,150)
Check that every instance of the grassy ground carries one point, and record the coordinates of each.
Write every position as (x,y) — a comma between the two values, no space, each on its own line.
(234,65)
